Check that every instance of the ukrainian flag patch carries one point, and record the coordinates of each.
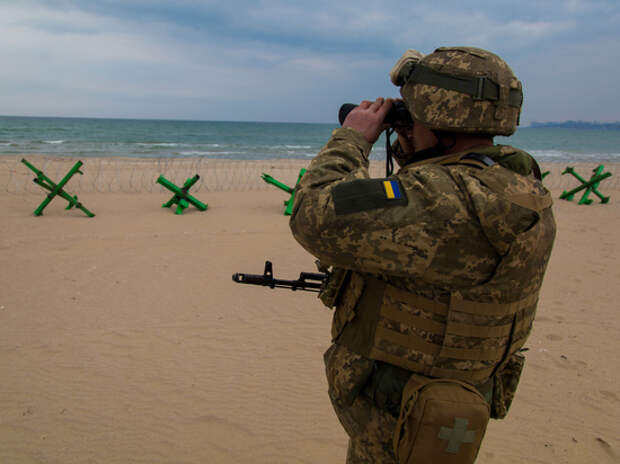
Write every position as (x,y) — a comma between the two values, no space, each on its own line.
(368,194)
(392,190)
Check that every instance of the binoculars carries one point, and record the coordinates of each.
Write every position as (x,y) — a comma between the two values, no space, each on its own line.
(397,116)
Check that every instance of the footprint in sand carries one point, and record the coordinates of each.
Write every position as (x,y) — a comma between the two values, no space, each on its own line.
(607,447)
(610,396)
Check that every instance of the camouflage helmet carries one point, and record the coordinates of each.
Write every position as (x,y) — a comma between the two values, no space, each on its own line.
(460,89)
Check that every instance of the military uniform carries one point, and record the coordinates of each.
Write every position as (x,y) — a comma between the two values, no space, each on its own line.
(436,272)
(442,237)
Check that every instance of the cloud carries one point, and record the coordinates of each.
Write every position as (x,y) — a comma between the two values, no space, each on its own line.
(286,60)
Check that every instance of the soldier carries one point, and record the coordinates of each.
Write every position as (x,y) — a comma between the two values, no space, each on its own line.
(434,271)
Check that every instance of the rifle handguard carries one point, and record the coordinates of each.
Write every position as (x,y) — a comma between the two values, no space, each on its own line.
(307,281)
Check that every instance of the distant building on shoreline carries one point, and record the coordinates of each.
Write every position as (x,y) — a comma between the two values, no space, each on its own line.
(577,125)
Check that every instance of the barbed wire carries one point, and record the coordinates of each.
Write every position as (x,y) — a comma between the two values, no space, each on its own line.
(139,175)
(123,175)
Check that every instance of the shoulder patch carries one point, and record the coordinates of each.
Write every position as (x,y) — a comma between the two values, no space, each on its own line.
(367,194)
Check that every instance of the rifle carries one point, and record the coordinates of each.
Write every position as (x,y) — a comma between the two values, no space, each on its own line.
(307,281)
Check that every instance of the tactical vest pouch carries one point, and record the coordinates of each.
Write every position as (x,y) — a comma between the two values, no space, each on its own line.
(330,292)
(505,384)
(346,297)
(441,421)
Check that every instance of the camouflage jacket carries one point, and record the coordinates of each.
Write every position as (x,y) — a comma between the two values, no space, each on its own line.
(441,230)
(436,239)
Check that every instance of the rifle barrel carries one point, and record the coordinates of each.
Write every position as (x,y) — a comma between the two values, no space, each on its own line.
(307,281)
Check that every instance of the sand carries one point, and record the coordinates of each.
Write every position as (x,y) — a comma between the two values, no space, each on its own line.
(123,338)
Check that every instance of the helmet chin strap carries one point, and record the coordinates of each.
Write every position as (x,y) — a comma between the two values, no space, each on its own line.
(439,149)
(389,161)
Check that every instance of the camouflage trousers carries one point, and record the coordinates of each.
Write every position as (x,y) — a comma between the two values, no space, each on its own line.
(369,427)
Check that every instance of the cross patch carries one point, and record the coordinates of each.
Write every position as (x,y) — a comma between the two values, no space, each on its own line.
(457,436)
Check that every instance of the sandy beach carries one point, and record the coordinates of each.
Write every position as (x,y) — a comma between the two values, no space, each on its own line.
(123,338)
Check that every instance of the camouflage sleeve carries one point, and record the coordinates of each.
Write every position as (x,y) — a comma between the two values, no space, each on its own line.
(345,157)
(425,230)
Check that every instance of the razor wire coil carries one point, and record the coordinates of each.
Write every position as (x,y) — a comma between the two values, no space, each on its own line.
(139,175)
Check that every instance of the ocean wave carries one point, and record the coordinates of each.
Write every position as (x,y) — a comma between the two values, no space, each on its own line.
(565,156)
(157,144)
(250,141)
(548,154)
(210,153)
(284,147)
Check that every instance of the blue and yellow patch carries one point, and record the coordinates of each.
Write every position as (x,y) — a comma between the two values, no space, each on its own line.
(367,194)
(392,189)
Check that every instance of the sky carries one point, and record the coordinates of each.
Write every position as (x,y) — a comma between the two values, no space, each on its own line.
(291,61)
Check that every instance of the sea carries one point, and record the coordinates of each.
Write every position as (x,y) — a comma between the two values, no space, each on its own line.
(147,138)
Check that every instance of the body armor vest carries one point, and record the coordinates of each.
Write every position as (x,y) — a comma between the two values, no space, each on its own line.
(466,334)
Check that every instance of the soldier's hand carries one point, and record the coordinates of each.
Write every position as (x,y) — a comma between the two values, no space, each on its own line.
(368,118)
